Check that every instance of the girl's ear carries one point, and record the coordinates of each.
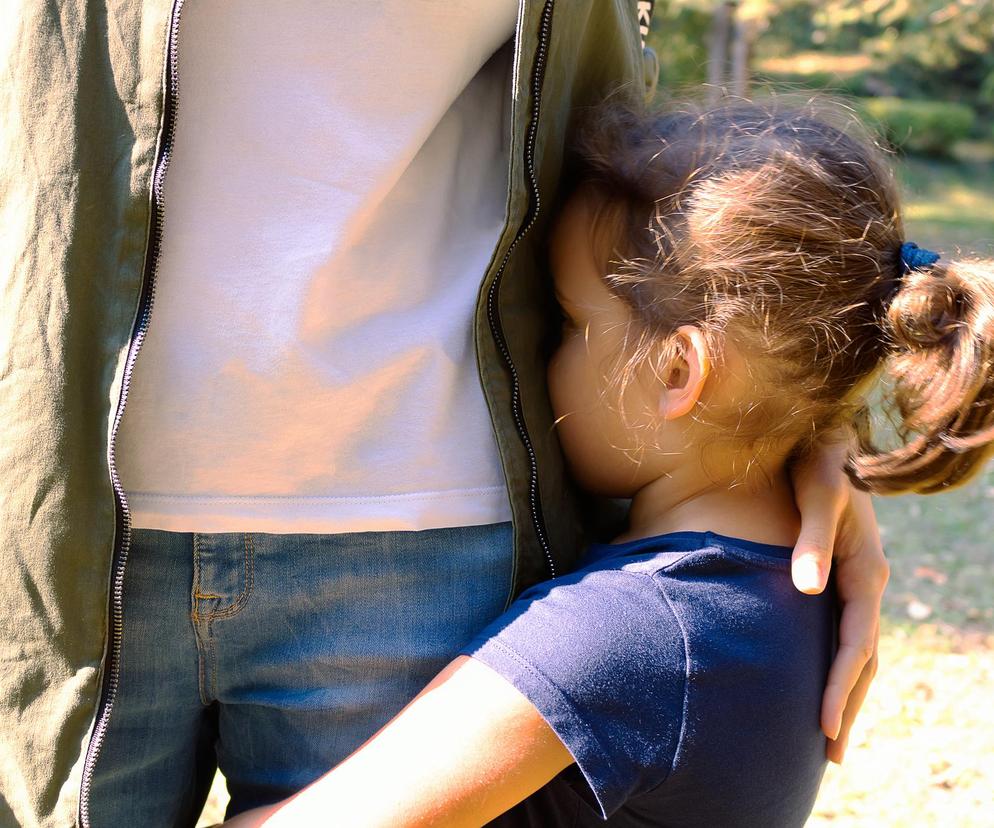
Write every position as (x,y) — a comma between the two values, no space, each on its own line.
(686,373)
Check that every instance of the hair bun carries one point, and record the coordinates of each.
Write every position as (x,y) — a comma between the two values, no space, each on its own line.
(931,309)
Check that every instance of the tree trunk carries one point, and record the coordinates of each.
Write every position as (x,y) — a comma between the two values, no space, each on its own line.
(718,49)
(745,33)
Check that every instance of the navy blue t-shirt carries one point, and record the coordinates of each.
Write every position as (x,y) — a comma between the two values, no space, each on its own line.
(684,673)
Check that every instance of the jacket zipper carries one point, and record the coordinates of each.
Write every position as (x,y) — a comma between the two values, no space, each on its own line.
(123,515)
(538,75)
(122,531)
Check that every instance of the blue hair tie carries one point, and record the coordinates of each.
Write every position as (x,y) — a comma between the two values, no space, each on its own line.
(914,257)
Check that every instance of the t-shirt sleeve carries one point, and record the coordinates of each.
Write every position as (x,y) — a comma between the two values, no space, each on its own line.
(602,657)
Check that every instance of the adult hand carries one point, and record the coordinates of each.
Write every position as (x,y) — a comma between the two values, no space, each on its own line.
(838,527)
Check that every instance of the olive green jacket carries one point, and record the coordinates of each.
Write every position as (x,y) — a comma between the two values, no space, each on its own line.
(86,103)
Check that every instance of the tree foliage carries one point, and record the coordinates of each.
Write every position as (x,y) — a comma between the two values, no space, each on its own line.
(916,49)
(925,48)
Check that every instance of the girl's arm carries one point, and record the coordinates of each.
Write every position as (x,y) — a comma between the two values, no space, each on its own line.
(466,749)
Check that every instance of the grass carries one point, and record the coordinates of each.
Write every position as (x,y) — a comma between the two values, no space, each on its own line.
(920,754)
(949,205)
(940,550)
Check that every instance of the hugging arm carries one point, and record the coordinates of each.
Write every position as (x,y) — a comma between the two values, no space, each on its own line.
(466,749)
(839,529)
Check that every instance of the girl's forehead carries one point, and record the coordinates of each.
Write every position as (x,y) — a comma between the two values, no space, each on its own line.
(573,215)
(570,243)
(577,276)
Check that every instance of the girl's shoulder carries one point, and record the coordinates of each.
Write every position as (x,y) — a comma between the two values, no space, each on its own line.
(623,587)
(661,637)
(699,549)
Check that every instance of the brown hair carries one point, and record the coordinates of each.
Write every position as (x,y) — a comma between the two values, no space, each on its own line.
(777,226)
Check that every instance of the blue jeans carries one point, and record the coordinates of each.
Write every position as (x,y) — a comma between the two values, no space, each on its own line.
(274,656)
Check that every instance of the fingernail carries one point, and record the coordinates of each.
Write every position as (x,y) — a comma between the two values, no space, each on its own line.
(807,574)
(836,751)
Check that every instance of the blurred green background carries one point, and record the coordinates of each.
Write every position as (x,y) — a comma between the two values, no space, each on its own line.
(922,73)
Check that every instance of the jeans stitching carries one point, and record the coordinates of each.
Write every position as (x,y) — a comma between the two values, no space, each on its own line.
(203,621)
(240,601)
(201,657)
(213,664)
(195,591)
(197,622)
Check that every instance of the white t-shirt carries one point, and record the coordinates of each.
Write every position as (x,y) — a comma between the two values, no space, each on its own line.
(336,190)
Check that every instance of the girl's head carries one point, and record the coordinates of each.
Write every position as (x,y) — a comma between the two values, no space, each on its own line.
(733,277)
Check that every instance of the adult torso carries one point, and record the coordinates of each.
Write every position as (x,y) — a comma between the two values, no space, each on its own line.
(335,191)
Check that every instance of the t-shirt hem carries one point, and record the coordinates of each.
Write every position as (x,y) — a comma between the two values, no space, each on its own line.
(293,514)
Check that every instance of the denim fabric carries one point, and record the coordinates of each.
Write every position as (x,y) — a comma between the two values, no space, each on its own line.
(274,656)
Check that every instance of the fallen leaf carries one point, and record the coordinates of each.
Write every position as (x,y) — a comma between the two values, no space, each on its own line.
(933,575)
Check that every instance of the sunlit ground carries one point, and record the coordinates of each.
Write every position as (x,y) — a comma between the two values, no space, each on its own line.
(921,753)
(812,63)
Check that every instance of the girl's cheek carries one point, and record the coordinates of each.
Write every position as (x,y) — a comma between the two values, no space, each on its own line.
(560,377)
(579,425)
